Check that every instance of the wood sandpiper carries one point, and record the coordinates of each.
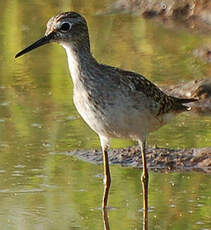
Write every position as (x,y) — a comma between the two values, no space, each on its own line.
(115,103)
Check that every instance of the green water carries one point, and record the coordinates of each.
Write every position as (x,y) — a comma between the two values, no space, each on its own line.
(41,187)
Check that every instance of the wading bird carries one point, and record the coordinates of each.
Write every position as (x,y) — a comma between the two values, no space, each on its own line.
(115,103)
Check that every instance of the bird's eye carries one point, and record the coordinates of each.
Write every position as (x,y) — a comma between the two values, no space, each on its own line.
(65,27)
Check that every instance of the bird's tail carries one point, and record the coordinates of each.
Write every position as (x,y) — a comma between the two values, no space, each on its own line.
(186,100)
(181,101)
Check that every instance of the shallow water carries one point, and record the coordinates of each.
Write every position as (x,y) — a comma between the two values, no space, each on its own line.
(41,187)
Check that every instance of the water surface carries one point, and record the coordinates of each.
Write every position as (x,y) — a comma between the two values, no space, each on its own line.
(42,187)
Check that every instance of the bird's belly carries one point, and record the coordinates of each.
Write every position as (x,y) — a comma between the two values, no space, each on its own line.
(113,120)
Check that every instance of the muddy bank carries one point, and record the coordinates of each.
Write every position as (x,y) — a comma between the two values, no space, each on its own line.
(204,53)
(192,14)
(158,159)
(200,89)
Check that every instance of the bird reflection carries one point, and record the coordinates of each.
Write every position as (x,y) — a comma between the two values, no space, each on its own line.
(145,205)
(145,209)
(105,219)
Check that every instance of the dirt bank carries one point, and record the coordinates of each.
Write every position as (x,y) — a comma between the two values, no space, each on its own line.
(158,159)
(200,89)
(192,14)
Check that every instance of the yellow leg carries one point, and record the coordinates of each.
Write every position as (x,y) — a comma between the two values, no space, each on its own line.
(105,219)
(107,178)
(145,181)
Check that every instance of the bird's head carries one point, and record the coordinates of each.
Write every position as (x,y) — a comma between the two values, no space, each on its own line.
(64,28)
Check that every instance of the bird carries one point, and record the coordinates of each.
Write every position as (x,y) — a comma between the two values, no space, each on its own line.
(115,103)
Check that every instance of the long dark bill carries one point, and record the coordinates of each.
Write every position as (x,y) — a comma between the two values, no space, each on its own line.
(44,40)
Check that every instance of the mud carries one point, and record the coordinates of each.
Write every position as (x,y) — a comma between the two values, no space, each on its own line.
(204,53)
(158,159)
(192,14)
(200,89)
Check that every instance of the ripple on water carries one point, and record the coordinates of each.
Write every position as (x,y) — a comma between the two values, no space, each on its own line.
(199,222)
(17,173)
(11,191)
(47,145)
(3,145)
(19,166)
(37,125)
(4,103)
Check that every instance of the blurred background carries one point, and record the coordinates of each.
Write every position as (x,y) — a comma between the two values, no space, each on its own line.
(41,186)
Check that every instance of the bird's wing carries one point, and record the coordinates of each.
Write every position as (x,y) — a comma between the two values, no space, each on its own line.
(138,83)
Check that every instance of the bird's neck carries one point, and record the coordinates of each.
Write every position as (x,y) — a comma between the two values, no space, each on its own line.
(80,60)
